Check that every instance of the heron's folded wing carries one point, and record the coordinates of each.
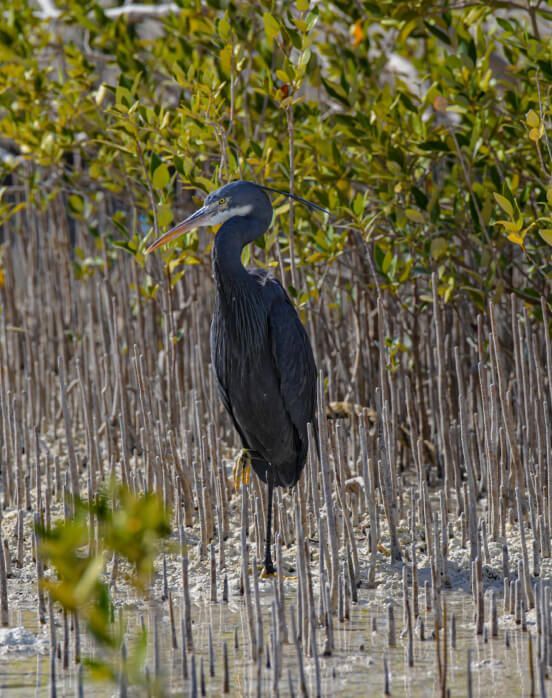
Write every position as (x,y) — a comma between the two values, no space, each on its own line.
(294,363)
(221,382)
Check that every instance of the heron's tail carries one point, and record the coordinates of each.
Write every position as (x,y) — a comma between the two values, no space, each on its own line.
(284,475)
(259,465)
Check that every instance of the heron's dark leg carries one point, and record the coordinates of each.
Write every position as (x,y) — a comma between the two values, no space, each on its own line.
(268,564)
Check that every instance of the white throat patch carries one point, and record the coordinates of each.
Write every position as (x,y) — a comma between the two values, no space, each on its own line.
(223,216)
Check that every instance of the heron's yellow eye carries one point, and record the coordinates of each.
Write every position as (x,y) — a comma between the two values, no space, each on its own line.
(222,202)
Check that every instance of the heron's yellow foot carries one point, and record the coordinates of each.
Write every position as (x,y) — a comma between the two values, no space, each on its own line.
(241,472)
(382,549)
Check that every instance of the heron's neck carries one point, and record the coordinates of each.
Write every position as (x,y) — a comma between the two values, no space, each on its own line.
(229,243)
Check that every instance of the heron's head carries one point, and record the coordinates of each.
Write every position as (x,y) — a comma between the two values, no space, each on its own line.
(235,199)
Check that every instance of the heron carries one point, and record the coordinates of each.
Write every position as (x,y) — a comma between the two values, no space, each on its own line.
(261,354)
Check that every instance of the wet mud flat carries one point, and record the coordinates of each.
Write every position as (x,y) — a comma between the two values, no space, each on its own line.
(498,666)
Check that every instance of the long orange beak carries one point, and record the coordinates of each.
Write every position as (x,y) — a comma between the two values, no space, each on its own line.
(201,217)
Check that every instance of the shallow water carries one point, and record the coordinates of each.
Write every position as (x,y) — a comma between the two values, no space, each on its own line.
(355,668)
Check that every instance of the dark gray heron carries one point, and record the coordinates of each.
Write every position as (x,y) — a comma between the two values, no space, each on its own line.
(260,351)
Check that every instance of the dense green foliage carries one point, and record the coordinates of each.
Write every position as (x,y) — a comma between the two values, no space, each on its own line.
(424,130)
(117,523)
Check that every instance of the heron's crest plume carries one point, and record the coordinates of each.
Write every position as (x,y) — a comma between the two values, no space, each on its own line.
(295,197)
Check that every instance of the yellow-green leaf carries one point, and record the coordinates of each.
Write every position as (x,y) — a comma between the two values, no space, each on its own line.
(282,75)
(226,59)
(532,118)
(76,203)
(123,96)
(439,247)
(164,215)
(414,215)
(546,235)
(504,204)
(387,261)
(95,170)
(358,205)
(535,134)
(516,239)
(512,226)
(62,592)
(161,176)
(246,255)
(224,28)
(174,264)
(100,671)
(101,93)
(272,28)
(88,580)
(302,5)
(305,57)
(549,196)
